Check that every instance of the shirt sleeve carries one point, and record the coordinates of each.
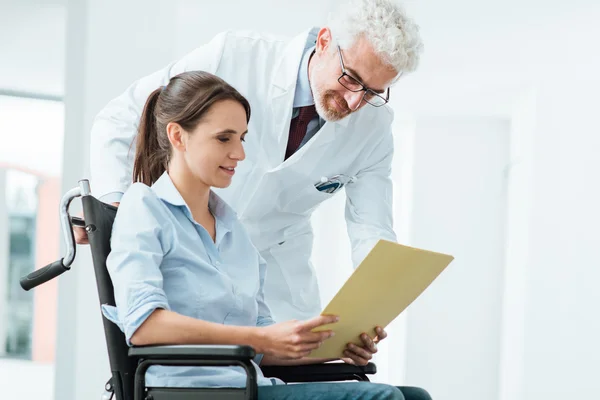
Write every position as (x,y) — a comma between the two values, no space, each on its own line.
(264,313)
(369,202)
(112,144)
(139,240)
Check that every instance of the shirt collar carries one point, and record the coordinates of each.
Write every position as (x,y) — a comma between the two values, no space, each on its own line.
(303,95)
(167,192)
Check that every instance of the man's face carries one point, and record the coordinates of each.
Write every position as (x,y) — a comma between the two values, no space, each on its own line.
(332,100)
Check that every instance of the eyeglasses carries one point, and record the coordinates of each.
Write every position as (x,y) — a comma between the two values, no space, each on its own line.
(354,85)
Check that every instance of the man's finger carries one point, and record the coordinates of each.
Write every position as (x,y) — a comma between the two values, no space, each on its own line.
(319,321)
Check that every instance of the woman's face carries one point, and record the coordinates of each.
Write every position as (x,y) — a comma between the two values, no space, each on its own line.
(213,149)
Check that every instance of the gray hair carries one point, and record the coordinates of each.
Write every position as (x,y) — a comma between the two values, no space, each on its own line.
(384,23)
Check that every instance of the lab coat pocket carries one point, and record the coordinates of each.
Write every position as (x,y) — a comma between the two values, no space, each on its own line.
(306,199)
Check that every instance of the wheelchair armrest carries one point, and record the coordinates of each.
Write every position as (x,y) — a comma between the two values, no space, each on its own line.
(193,355)
(194,352)
(328,372)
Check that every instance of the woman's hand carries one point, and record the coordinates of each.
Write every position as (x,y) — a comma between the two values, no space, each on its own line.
(293,340)
(79,232)
(361,355)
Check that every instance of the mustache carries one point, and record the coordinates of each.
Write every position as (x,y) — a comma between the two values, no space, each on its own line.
(338,99)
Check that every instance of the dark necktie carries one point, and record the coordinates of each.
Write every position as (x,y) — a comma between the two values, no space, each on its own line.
(298,128)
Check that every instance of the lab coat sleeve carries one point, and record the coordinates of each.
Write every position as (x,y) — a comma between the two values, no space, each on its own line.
(112,145)
(369,213)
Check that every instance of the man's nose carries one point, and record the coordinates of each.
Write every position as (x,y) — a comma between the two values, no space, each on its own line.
(354,99)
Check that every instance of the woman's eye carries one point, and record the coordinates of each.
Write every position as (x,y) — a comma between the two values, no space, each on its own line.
(243,139)
(223,139)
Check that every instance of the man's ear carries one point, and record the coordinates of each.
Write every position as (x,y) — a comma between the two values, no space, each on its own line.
(176,136)
(324,40)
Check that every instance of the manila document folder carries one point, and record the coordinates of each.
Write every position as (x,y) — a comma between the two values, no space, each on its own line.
(388,280)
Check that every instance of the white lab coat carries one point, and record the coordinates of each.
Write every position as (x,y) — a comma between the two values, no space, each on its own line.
(273,198)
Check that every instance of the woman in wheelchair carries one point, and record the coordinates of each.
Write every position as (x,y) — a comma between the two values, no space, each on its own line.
(184,269)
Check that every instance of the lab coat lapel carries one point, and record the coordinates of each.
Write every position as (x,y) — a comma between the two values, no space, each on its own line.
(314,148)
(282,97)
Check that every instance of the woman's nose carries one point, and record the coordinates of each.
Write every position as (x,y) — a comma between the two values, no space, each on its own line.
(239,153)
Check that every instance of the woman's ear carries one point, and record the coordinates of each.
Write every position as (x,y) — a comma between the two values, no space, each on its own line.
(176,136)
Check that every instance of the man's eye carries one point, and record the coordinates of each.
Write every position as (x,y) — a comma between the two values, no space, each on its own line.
(351,81)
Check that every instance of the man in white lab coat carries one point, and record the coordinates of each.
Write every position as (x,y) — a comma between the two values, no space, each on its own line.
(319,123)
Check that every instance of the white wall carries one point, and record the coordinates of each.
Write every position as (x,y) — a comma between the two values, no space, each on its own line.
(4,257)
(459,195)
(32,46)
(26,380)
(561,328)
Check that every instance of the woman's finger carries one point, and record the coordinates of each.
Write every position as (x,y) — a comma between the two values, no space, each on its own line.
(369,344)
(348,360)
(360,351)
(307,347)
(315,337)
(381,334)
(317,321)
(356,359)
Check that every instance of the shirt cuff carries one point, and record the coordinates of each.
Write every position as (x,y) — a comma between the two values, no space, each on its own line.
(135,319)
(264,321)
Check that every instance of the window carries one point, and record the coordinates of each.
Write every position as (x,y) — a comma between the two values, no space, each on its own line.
(31,132)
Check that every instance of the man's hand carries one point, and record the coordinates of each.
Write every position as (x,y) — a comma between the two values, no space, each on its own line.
(79,232)
(293,340)
(361,355)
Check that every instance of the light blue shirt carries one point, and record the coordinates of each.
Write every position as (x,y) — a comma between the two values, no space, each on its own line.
(162,258)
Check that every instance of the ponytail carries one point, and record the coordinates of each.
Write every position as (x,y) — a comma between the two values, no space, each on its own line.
(150,160)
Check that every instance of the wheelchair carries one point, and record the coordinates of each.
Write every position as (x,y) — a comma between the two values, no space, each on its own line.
(129,365)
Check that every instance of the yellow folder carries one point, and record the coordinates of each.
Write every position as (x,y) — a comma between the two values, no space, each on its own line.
(388,280)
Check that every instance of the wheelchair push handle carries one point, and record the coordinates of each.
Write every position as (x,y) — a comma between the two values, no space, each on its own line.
(43,275)
(56,268)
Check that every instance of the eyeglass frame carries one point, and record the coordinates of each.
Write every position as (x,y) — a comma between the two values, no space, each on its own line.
(364,88)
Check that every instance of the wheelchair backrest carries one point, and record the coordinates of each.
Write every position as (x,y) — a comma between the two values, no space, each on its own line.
(99,218)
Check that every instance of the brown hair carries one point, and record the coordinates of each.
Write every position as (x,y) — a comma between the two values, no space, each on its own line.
(184,100)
